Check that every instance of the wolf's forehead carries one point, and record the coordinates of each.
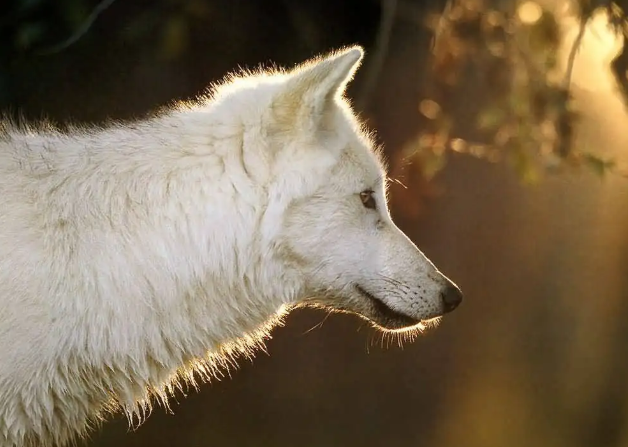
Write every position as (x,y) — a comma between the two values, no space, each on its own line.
(358,167)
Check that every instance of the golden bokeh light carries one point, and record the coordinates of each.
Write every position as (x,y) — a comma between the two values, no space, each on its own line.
(529,12)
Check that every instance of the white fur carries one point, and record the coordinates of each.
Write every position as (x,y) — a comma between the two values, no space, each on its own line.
(135,255)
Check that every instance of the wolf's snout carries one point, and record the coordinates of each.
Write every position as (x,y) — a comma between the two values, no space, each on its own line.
(451,297)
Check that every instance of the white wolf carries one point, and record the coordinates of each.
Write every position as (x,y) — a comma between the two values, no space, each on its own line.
(135,256)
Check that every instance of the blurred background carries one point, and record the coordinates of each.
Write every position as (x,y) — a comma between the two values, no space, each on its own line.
(505,127)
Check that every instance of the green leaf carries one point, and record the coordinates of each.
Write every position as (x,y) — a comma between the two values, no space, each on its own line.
(599,165)
(175,37)
(28,35)
(491,118)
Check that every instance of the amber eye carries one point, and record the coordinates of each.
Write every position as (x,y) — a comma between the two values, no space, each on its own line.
(368,200)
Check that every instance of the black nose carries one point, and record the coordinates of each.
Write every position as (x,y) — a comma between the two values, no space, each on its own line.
(451,296)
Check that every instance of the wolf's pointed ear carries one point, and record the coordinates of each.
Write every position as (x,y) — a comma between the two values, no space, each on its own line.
(312,87)
(328,76)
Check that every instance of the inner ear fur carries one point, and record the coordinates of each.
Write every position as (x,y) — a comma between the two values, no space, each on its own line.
(309,93)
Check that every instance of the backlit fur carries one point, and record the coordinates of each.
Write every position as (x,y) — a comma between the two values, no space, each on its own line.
(139,255)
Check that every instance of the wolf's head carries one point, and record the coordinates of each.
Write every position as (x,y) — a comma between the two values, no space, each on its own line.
(327,213)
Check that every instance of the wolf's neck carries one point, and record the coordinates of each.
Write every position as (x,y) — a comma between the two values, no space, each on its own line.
(160,230)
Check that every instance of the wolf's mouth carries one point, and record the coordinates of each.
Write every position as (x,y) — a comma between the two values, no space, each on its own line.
(385,316)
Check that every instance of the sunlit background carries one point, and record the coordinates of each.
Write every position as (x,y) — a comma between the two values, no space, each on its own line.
(505,126)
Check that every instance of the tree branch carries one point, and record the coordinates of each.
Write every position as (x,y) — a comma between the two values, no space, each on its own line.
(572,54)
(81,30)
(389,10)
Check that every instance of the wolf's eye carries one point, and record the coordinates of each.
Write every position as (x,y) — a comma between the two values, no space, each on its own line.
(368,200)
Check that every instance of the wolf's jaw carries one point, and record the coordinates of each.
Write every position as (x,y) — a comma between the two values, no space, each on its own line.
(386,317)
